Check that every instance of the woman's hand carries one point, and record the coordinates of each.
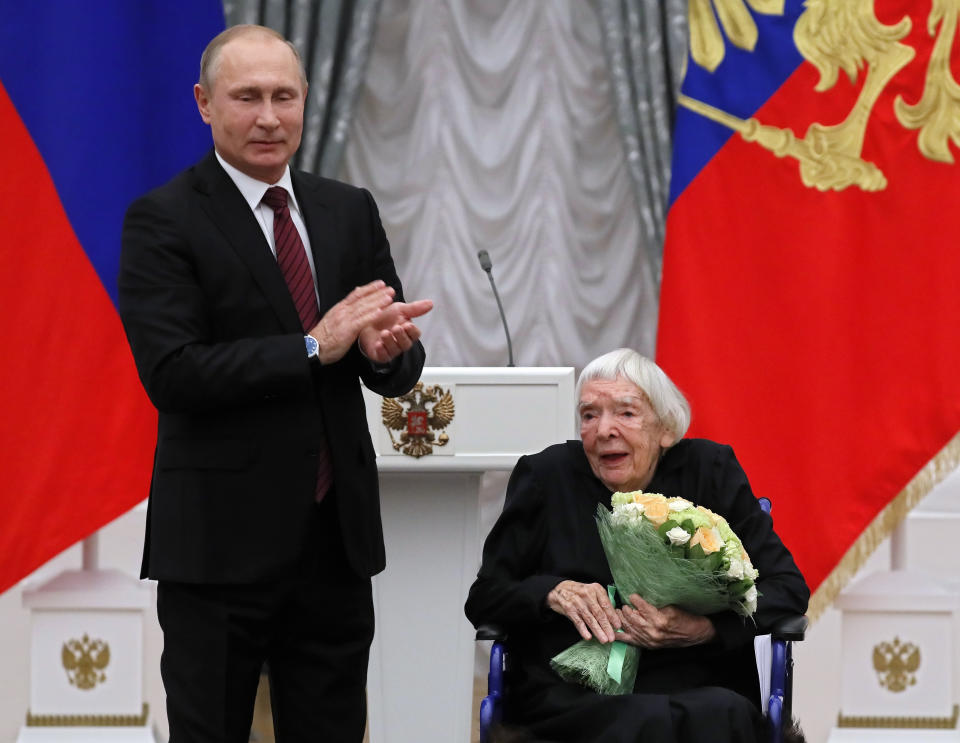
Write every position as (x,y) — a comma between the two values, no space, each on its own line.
(588,607)
(647,626)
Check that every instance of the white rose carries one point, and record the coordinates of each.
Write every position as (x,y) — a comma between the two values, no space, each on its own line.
(750,599)
(736,569)
(628,513)
(679,504)
(678,536)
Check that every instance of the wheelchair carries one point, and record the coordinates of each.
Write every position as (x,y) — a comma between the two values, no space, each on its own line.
(778,701)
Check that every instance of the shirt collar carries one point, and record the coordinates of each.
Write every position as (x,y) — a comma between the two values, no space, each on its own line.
(253,190)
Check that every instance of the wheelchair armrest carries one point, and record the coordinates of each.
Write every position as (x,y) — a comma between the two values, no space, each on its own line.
(491,632)
(790,628)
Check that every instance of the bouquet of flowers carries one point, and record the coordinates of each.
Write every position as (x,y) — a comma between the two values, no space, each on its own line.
(668,551)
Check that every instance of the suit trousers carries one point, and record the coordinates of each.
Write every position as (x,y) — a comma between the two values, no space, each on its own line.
(312,628)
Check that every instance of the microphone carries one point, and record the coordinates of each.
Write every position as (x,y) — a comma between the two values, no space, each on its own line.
(487,266)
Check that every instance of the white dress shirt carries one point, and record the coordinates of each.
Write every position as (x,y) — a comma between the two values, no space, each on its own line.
(253,190)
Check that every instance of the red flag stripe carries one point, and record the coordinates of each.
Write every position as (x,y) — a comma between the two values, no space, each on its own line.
(70,384)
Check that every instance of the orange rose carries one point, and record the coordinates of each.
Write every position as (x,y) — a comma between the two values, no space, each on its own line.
(656,511)
(645,498)
(708,539)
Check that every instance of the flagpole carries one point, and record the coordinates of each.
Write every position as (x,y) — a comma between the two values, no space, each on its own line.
(898,546)
(91,552)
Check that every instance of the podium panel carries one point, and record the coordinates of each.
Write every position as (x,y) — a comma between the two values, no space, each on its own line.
(433,447)
(86,658)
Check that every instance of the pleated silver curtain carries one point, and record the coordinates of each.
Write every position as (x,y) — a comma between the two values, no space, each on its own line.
(645,42)
(334,38)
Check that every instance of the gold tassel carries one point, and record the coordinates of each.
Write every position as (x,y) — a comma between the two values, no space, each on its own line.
(945,462)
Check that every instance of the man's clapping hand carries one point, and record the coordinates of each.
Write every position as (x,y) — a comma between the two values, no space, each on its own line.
(369,314)
(392,331)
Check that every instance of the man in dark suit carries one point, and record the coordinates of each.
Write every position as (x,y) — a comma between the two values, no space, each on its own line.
(254,299)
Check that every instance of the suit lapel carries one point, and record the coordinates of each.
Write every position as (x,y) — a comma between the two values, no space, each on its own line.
(324,241)
(228,210)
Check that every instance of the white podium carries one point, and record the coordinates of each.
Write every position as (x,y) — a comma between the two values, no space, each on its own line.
(86,659)
(897,663)
(433,447)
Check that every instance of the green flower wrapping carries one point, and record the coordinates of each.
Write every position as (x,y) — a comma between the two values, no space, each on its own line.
(669,552)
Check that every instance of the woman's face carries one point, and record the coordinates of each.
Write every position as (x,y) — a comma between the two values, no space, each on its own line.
(621,434)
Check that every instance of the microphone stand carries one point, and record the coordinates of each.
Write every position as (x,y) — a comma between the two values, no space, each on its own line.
(487,265)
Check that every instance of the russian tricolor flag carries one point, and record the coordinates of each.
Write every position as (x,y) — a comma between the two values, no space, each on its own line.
(96,108)
(809,304)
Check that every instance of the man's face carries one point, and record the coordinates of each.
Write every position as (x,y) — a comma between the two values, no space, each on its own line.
(622,436)
(255,105)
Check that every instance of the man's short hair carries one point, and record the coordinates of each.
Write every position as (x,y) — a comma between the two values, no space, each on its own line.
(211,55)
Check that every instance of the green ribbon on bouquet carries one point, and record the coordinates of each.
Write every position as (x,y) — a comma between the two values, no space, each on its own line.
(618,650)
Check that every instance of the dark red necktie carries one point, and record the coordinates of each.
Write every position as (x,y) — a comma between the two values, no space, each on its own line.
(292,259)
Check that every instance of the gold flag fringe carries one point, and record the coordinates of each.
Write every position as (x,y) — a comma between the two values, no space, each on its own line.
(933,472)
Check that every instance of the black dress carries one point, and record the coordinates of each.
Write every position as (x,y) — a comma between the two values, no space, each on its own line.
(547,533)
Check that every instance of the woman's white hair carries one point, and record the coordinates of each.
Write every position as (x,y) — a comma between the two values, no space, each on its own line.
(666,400)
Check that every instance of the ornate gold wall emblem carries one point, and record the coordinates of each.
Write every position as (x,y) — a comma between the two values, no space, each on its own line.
(430,410)
(836,35)
(896,664)
(84,661)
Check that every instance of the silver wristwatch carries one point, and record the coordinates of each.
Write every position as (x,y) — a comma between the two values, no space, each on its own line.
(313,348)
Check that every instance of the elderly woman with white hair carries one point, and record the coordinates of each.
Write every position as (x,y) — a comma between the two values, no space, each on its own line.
(544,573)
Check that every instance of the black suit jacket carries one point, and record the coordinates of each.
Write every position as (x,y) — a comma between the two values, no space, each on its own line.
(219,348)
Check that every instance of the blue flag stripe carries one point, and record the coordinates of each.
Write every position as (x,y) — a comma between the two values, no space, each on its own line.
(104,89)
(742,83)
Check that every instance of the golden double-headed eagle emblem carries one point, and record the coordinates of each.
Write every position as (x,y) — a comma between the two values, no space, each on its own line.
(836,35)
(418,415)
(84,661)
(896,664)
